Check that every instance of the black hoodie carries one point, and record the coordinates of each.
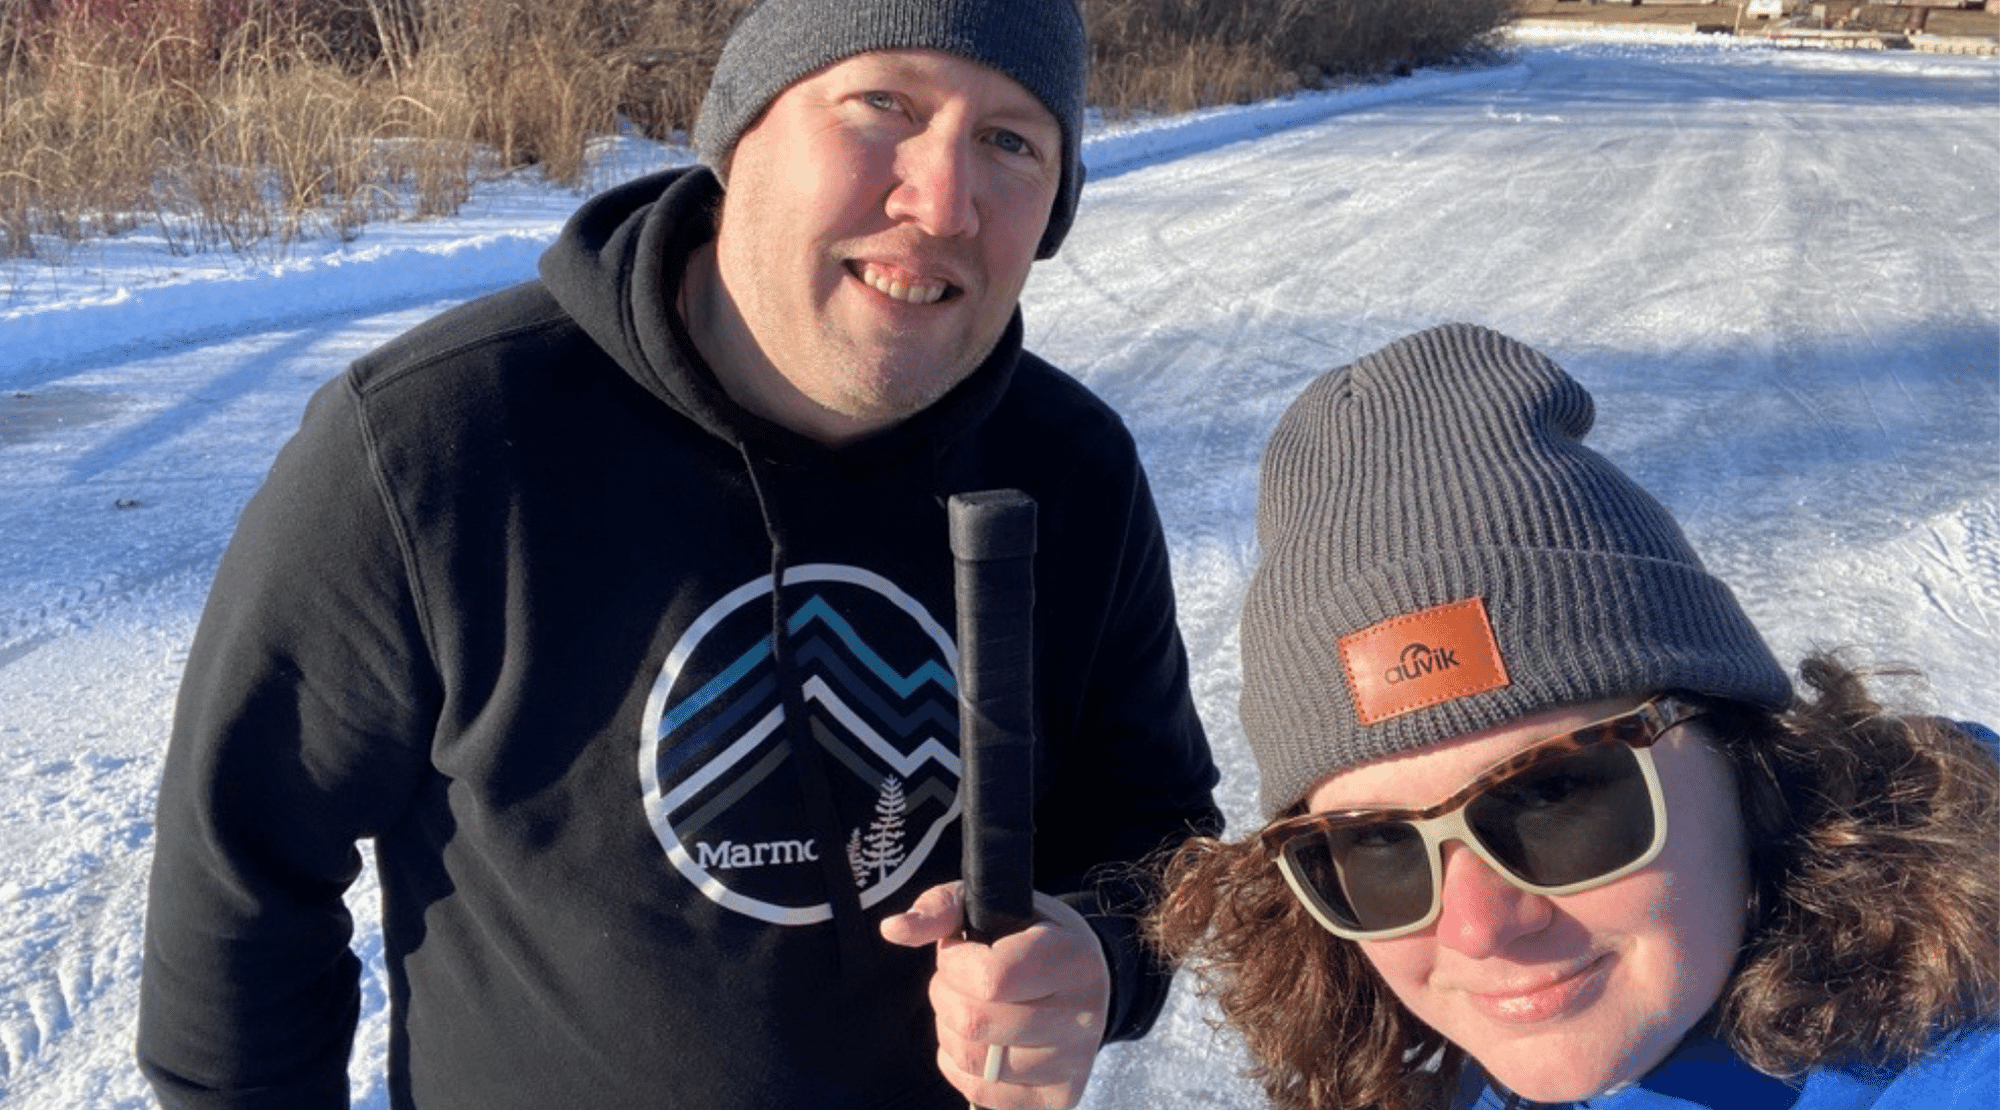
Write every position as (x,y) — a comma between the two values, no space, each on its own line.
(505,606)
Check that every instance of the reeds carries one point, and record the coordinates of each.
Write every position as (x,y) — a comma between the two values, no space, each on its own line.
(245,132)
(1177,55)
(250,124)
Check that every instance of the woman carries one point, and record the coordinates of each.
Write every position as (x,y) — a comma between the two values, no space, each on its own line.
(1548,824)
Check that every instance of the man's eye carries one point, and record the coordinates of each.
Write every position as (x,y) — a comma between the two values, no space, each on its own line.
(1012,143)
(885,101)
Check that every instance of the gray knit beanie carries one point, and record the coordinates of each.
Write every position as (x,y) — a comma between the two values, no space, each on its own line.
(1442,554)
(1038,43)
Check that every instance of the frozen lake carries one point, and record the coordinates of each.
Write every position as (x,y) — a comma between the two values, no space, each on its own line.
(1779,272)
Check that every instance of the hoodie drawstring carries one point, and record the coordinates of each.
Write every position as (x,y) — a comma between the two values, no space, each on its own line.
(855,938)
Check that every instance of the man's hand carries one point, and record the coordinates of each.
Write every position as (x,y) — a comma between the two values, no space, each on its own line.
(1041,994)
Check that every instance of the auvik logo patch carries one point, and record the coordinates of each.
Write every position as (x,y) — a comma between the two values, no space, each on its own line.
(873,672)
(1418,661)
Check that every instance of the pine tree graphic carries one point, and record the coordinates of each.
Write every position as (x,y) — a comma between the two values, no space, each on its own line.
(855,863)
(882,851)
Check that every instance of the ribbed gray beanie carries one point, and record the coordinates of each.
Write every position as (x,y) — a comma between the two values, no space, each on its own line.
(1038,43)
(1442,554)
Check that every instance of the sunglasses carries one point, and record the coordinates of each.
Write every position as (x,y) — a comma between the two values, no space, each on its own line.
(1569,814)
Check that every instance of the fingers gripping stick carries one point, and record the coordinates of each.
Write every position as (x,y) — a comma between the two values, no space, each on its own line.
(993,546)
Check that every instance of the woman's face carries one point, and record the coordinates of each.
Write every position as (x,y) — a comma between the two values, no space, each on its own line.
(1565,997)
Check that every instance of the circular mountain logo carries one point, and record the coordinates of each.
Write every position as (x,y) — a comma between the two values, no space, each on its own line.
(872,674)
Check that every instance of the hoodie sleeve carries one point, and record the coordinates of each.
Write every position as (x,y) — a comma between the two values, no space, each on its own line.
(1136,776)
(302,727)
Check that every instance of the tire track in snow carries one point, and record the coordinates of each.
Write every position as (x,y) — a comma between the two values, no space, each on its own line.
(1958,568)
(65,934)
(82,604)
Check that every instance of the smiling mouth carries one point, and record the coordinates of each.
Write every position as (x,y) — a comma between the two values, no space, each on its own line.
(903,286)
(1526,1005)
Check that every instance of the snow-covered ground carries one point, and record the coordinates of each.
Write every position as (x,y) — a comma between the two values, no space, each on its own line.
(1778,271)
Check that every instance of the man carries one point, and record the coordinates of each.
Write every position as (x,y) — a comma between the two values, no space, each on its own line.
(612,608)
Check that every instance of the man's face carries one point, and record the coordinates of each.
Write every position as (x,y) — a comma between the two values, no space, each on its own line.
(879,224)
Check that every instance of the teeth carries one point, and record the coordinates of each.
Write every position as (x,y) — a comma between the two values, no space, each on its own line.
(909,292)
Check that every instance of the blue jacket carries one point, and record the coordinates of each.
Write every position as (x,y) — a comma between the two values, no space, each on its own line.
(1962,1073)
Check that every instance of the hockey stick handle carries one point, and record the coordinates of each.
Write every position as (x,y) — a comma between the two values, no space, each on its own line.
(993,551)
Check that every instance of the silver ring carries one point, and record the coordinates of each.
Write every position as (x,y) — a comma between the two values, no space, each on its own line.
(996,1054)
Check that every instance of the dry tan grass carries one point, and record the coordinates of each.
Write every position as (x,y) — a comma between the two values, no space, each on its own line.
(248,124)
(245,136)
(1175,55)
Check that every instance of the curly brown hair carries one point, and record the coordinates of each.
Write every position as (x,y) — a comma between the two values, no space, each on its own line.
(1872,926)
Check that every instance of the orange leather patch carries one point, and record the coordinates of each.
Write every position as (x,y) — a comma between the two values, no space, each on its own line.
(1421,659)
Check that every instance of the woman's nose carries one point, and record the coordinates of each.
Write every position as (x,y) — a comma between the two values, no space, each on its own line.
(1480,912)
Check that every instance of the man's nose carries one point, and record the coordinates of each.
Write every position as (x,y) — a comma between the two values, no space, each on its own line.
(934,183)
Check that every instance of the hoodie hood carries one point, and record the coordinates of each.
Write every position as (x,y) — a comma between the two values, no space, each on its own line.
(617,269)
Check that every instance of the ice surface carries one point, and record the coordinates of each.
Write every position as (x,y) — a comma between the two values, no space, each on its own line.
(1778,271)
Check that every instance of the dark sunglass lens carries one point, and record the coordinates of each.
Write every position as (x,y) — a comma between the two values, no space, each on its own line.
(1374,876)
(1312,869)
(1569,819)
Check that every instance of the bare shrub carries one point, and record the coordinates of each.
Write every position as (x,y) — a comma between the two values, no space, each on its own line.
(228,125)
(249,123)
(76,111)
(1177,55)
(536,77)
(668,61)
